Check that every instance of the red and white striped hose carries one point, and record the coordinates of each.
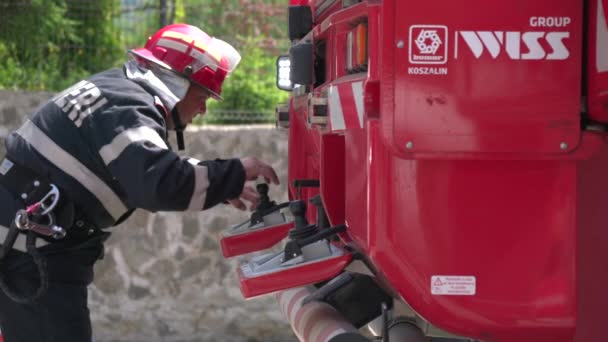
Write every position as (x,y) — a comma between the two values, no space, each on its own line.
(313,322)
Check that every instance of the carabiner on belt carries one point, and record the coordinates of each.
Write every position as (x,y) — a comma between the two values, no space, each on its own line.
(30,221)
(29,218)
(46,204)
(23,222)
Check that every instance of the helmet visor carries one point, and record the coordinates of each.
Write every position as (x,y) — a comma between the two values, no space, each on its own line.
(226,57)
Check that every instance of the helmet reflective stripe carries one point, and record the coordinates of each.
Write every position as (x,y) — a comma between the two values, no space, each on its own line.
(172,44)
(203,61)
(216,54)
(178,35)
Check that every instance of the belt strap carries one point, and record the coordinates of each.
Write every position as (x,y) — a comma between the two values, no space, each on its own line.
(20,242)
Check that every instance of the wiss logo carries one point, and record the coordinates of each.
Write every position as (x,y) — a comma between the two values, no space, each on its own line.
(428,44)
(546,40)
(533,45)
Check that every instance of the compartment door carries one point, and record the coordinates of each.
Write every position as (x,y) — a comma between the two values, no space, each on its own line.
(478,76)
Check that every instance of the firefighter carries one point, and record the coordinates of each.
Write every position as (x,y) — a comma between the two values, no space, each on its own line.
(90,156)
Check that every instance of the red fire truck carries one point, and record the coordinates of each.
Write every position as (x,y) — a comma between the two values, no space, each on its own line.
(447,173)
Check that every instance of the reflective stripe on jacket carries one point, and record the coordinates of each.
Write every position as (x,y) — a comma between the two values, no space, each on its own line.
(104,143)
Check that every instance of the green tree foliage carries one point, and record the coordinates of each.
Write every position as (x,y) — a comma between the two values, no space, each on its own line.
(238,20)
(258,29)
(137,20)
(98,46)
(30,42)
(49,44)
(251,88)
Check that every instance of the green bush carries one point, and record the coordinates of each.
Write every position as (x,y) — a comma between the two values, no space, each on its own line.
(50,44)
(250,89)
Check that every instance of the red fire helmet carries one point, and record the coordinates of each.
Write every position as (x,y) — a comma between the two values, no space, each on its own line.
(192,53)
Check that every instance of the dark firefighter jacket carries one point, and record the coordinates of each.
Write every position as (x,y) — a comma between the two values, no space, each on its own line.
(103,142)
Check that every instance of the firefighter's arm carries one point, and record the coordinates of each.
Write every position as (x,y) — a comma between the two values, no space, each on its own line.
(152,177)
(254,168)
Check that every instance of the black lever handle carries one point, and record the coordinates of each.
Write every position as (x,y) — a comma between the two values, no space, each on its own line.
(293,248)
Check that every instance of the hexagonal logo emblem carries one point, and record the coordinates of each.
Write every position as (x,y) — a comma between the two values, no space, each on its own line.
(428,44)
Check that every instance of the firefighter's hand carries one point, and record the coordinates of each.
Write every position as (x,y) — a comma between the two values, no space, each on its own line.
(255,168)
(248,195)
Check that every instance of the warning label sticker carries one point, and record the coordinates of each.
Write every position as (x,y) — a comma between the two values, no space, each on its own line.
(453,285)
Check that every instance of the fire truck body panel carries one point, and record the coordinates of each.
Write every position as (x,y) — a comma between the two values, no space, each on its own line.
(478,222)
(456,154)
(472,251)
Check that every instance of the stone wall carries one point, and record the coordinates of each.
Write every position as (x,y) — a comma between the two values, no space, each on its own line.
(163,277)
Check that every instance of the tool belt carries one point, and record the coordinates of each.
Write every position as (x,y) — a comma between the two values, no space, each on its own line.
(47,217)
